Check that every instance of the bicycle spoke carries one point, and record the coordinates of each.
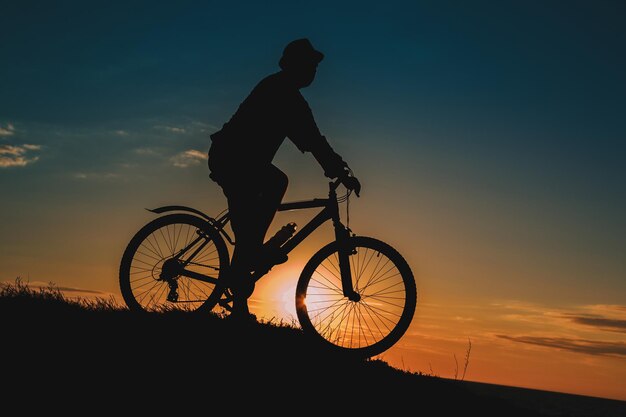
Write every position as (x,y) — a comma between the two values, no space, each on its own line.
(384,295)
(345,317)
(366,264)
(354,269)
(141,296)
(373,316)
(201,265)
(149,256)
(389,303)
(353,260)
(377,270)
(381,316)
(165,242)
(397,302)
(353,317)
(177,236)
(337,329)
(171,233)
(382,291)
(147,283)
(331,294)
(380,277)
(206,257)
(327,314)
(336,264)
(323,309)
(368,327)
(150,249)
(158,246)
(356,319)
(329,281)
(193,282)
(142,278)
(380,280)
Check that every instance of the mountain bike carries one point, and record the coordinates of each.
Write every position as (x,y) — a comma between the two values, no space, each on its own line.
(356,294)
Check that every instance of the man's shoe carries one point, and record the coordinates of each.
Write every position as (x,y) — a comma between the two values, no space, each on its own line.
(241,316)
(241,285)
(271,252)
(273,256)
(269,256)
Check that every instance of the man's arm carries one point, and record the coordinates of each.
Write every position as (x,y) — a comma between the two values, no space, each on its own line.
(333,164)
(305,134)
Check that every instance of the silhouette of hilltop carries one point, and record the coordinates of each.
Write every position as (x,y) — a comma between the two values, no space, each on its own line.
(63,355)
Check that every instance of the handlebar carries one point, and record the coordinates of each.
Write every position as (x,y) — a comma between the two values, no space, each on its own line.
(350,182)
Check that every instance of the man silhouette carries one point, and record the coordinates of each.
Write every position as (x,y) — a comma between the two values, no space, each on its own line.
(241,154)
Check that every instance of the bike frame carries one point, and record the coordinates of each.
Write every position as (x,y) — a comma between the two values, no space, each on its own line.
(330,211)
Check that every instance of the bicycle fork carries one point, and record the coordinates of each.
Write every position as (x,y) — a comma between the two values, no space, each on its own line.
(342,235)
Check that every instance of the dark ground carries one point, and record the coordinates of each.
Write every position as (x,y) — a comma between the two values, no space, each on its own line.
(64,357)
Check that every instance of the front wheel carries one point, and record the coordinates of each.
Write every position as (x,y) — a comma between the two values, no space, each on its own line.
(174,262)
(383,311)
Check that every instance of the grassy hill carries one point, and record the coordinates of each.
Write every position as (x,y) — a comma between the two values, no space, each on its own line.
(86,356)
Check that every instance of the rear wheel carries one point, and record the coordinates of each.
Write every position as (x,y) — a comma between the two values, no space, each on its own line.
(152,271)
(385,306)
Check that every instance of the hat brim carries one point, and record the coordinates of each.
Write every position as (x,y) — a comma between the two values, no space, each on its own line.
(317,56)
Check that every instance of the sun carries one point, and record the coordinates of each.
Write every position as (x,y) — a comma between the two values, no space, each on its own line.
(275,294)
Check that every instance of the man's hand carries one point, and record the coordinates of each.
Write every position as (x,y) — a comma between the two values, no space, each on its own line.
(351,183)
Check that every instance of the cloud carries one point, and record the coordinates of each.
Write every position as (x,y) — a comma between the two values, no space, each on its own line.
(145,151)
(11,150)
(463,319)
(188,158)
(589,347)
(608,310)
(96,176)
(601,317)
(9,130)
(604,317)
(205,127)
(15,155)
(172,129)
(121,133)
(614,325)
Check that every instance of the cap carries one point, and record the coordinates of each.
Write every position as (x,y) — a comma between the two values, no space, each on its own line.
(300,51)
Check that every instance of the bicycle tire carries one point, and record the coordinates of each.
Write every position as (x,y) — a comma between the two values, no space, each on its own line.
(361,328)
(159,240)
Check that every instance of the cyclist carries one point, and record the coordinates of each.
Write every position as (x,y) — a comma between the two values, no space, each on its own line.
(241,154)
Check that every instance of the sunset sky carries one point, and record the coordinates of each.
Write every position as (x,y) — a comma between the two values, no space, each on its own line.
(489,138)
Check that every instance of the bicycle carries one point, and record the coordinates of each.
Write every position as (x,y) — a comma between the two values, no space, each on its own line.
(356,294)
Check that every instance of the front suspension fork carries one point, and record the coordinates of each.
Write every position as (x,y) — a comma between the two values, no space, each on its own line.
(342,234)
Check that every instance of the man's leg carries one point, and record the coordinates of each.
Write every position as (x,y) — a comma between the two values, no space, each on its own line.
(244,222)
(252,207)
(273,189)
